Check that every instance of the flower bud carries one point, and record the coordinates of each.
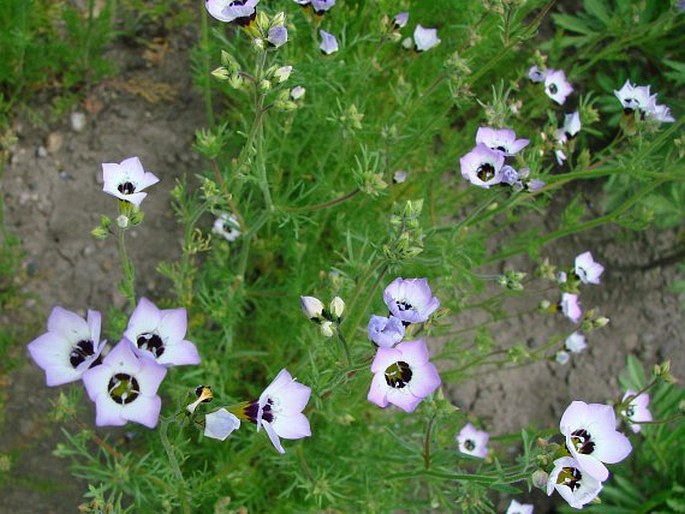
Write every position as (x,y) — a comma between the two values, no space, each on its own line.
(327,329)
(264,86)
(312,307)
(283,73)
(297,92)
(337,307)
(123,221)
(221,73)
(278,19)
(230,62)
(539,479)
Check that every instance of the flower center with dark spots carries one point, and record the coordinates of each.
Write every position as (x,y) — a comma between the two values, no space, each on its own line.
(583,442)
(80,353)
(570,477)
(123,388)
(404,306)
(630,411)
(553,89)
(485,172)
(469,445)
(251,410)
(501,149)
(127,188)
(243,21)
(151,342)
(398,375)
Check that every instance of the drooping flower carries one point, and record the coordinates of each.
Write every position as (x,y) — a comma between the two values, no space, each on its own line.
(501,140)
(635,98)
(124,388)
(403,375)
(126,180)
(204,395)
(592,438)
(159,334)
(312,307)
(536,75)
(277,36)
(329,44)
(482,166)
(519,508)
(220,424)
(637,410)
(227,226)
(575,342)
(473,442)
(574,485)
(385,332)
(570,306)
(425,39)
(241,12)
(587,270)
(401,19)
(556,86)
(69,347)
(572,124)
(279,410)
(410,300)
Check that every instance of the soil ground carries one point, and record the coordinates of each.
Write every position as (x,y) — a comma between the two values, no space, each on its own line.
(53,200)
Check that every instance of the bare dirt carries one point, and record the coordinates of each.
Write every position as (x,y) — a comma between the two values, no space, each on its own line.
(54,199)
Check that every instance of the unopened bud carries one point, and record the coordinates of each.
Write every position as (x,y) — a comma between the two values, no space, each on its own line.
(123,221)
(337,307)
(540,479)
(327,329)
(312,307)
(283,73)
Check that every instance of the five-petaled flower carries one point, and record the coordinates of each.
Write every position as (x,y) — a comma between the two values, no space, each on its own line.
(501,140)
(556,86)
(575,342)
(385,332)
(482,166)
(159,334)
(587,270)
(592,438)
(472,441)
(241,12)
(570,306)
(227,226)
(410,300)
(637,410)
(425,39)
(574,485)
(403,375)
(69,347)
(126,180)
(124,388)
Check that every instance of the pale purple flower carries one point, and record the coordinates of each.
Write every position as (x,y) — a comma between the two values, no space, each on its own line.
(572,124)
(159,334)
(510,175)
(575,342)
(227,226)
(637,410)
(403,376)
(220,424)
(385,332)
(536,75)
(535,184)
(592,438)
(238,11)
(556,86)
(277,36)
(312,307)
(283,73)
(561,277)
(328,44)
(634,98)
(124,388)
(401,19)
(473,442)
(321,6)
(562,357)
(279,410)
(425,39)
(297,92)
(400,176)
(574,485)
(69,347)
(501,140)
(410,300)
(661,113)
(519,508)
(482,166)
(587,270)
(126,180)
(570,306)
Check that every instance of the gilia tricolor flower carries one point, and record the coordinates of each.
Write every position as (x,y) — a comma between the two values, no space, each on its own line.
(329,44)
(592,438)
(575,342)
(159,334)
(556,86)
(124,388)
(638,98)
(385,332)
(220,424)
(519,508)
(570,306)
(482,166)
(425,39)
(472,441)
(400,20)
(126,180)
(536,75)
(410,300)
(69,347)
(501,140)
(227,226)
(574,485)
(586,269)
(241,12)
(637,410)
(403,376)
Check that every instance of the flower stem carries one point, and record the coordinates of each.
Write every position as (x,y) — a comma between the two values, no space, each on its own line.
(321,206)
(173,462)
(345,346)
(427,443)
(129,279)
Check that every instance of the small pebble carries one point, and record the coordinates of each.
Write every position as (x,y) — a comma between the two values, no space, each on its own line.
(54,142)
(78,121)
(41,151)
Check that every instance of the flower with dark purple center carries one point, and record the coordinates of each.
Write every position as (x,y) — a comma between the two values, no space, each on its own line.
(536,75)
(637,410)
(241,12)
(587,270)
(126,180)
(501,140)
(410,300)
(386,332)
(574,485)
(124,388)
(635,98)
(482,166)
(519,508)
(556,86)
(321,6)
(472,441)
(69,347)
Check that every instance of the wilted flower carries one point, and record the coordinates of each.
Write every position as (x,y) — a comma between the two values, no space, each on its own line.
(519,508)
(536,75)
(277,36)
(126,180)
(587,270)
(637,410)
(473,442)
(592,438)
(204,395)
(482,166)
(575,342)
(570,306)
(69,347)
(220,424)
(159,334)
(556,86)
(501,140)
(410,300)
(425,39)
(241,12)
(403,376)
(634,98)
(401,19)
(227,226)
(329,44)
(386,332)
(124,388)
(574,485)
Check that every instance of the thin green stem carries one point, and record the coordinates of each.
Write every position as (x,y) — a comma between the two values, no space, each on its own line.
(321,206)
(129,278)
(173,462)
(345,346)
(427,442)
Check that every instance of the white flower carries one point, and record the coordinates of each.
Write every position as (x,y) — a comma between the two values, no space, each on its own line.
(570,306)
(635,98)
(220,424)
(575,342)
(401,19)
(637,410)
(232,10)
(562,357)
(482,166)
(312,307)
(425,39)
(473,442)
(336,307)
(556,86)
(572,124)
(574,485)
(297,92)
(587,270)
(227,226)
(126,180)
(519,508)
(283,73)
